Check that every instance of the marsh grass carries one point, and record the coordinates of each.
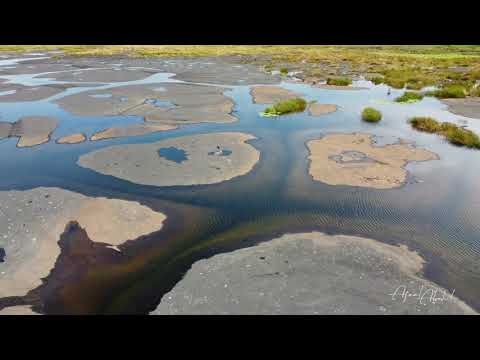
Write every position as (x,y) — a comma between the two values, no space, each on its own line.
(371,115)
(284,71)
(286,107)
(450,91)
(453,133)
(339,81)
(409,97)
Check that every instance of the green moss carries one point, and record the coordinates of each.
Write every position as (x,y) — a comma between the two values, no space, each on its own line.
(371,115)
(409,97)
(339,81)
(453,133)
(287,106)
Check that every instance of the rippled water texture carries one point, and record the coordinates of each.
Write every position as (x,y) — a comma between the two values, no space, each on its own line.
(437,211)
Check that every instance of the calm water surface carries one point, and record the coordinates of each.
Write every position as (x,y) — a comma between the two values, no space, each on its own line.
(437,212)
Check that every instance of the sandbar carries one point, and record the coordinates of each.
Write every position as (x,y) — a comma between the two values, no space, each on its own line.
(33,220)
(210,158)
(353,160)
(311,273)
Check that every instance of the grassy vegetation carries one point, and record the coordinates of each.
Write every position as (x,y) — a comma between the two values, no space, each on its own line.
(409,97)
(450,91)
(287,106)
(411,66)
(371,115)
(453,133)
(284,71)
(339,81)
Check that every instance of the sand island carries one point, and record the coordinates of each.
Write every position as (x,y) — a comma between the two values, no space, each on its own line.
(353,160)
(187,160)
(310,273)
(33,221)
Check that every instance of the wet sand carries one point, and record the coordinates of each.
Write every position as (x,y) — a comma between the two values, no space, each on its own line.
(353,160)
(468,107)
(72,139)
(31,130)
(30,93)
(131,130)
(317,109)
(34,220)
(171,104)
(311,273)
(142,164)
(271,94)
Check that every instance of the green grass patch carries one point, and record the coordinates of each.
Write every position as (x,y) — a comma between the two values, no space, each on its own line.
(372,115)
(450,91)
(426,124)
(339,81)
(284,71)
(286,107)
(453,133)
(377,80)
(409,97)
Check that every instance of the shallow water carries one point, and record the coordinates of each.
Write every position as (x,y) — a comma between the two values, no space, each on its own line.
(437,211)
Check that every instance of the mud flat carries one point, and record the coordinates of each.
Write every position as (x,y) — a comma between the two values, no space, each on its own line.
(31,130)
(17,92)
(72,139)
(187,160)
(271,94)
(468,107)
(317,109)
(311,273)
(101,75)
(353,160)
(131,130)
(32,222)
(159,103)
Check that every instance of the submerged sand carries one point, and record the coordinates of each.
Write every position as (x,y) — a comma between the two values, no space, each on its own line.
(33,220)
(353,160)
(317,109)
(142,163)
(271,94)
(31,130)
(311,273)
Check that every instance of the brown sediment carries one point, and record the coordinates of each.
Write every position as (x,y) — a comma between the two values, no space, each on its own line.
(5,129)
(100,75)
(317,109)
(352,159)
(189,103)
(32,130)
(41,215)
(271,94)
(202,165)
(131,130)
(468,107)
(72,139)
